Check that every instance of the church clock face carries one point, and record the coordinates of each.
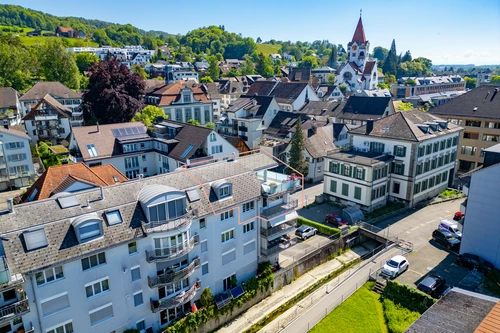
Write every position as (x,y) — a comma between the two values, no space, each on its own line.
(354,47)
(347,76)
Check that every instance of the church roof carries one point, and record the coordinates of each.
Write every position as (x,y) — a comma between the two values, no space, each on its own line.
(369,67)
(359,34)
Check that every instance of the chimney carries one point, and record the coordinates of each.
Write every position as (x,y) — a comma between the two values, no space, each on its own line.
(102,192)
(97,127)
(10,205)
(369,126)
(6,123)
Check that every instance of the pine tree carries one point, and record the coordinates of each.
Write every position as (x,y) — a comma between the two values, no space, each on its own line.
(332,62)
(391,62)
(407,57)
(297,160)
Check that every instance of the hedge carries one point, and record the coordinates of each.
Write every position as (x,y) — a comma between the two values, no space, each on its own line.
(409,295)
(323,228)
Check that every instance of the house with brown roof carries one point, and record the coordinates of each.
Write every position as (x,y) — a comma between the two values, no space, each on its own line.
(10,107)
(406,157)
(182,101)
(138,152)
(65,32)
(71,178)
(59,92)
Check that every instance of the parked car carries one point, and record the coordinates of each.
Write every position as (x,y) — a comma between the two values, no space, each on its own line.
(433,285)
(458,216)
(397,265)
(335,220)
(445,238)
(474,261)
(305,232)
(450,226)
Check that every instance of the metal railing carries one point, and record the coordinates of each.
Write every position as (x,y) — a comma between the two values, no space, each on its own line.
(173,252)
(181,274)
(13,310)
(277,247)
(176,301)
(168,225)
(278,229)
(282,208)
(288,186)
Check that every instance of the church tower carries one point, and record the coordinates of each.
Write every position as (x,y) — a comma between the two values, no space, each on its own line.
(358,49)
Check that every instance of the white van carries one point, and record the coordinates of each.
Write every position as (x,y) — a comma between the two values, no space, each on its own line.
(450,226)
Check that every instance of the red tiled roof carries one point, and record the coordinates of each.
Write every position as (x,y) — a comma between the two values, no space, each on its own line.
(359,34)
(171,92)
(369,67)
(64,29)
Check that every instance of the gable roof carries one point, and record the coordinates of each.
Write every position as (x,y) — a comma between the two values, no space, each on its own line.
(403,126)
(8,98)
(64,29)
(283,92)
(57,179)
(61,109)
(364,107)
(321,142)
(299,74)
(246,102)
(262,88)
(56,89)
(359,34)
(484,99)
(369,67)
(170,93)
(15,132)
(321,108)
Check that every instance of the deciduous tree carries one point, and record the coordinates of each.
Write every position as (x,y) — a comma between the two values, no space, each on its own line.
(264,66)
(148,115)
(58,65)
(213,69)
(84,60)
(247,66)
(139,70)
(331,79)
(309,61)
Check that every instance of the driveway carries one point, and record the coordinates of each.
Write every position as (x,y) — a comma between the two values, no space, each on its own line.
(301,248)
(310,193)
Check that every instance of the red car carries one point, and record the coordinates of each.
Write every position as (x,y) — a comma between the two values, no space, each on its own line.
(335,220)
(458,216)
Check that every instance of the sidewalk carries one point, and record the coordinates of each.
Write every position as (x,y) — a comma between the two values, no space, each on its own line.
(279,297)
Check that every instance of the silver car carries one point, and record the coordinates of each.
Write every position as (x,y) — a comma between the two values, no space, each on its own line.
(305,232)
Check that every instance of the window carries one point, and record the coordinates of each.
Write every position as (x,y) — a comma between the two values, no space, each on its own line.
(186,98)
(224,191)
(436,147)
(207,115)
(113,217)
(417,188)
(16,157)
(399,168)
(378,192)
(396,187)
(227,235)
(92,150)
(400,151)
(442,145)
(138,299)
(424,185)
(197,115)
(419,168)
(93,261)
(444,177)
(55,304)
(89,230)
(248,206)
(448,143)
(64,328)
(97,287)
(228,257)
(347,170)
(49,275)
(226,215)
(178,115)
(9,295)
(345,189)
(248,227)
(334,167)
(377,147)
(15,145)
(489,137)
(169,210)
(421,151)
(101,314)
(135,272)
(204,268)
(489,124)
(217,149)
(360,173)
(213,137)
(431,182)
(472,123)
(427,165)
(428,149)
(203,224)
(132,247)
(204,246)
(333,186)
(226,283)
(140,325)
(249,247)
(131,162)
(433,163)
(357,193)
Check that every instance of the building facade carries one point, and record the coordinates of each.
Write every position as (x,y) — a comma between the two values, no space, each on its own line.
(10,107)
(427,85)
(178,73)
(16,163)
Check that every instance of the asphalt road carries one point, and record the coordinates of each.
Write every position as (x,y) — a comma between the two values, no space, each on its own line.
(310,192)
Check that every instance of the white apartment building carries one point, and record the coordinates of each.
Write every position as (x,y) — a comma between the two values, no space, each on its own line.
(406,157)
(139,253)
(10,107)
(135,152)
(127,54)
(178,73)
(16,163)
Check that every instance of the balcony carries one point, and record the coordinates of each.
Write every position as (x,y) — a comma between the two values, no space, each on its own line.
(179,300)
(278,230)
(174,252)
(280,209)
(181,274)
(3,164)
(6,279)
(274,183)
(168,225)
(18,175)
(45,117)
(14,310)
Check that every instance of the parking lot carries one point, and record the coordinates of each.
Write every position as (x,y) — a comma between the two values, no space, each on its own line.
(301,248)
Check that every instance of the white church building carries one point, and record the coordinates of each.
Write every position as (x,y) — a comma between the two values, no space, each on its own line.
(359,72)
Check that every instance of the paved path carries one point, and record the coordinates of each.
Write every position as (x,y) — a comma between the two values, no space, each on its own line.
(310,191)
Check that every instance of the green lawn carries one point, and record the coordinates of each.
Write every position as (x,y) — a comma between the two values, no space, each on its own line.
(267,49)
(362,312)
(29,41)
(398,318)
(449,193)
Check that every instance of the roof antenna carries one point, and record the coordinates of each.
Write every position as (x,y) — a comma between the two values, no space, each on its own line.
(360,12)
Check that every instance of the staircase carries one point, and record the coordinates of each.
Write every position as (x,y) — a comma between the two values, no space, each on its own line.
(379,286)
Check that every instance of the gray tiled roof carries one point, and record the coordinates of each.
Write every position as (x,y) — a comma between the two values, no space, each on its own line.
(40,89)
(63,245)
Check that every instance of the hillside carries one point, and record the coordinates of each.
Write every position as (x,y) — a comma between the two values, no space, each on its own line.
(267,49)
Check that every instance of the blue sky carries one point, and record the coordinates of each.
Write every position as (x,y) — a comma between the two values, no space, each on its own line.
(446,31)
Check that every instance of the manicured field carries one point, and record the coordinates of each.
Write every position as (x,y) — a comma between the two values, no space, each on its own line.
(267,49)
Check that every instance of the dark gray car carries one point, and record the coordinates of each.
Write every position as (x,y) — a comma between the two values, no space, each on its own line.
(305,231)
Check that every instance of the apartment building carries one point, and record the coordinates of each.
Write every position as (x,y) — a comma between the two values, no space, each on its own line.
(60,93)
(16,164)
(138,254)
(478,112)
(182,102)
(415,86)
(179,73)
(406,157)
(10,107)
(48,121)
(138,152)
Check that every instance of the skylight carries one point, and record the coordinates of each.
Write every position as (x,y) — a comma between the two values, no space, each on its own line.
(114,217)
(35,239)
(92,150)
(69,201)
(186,152)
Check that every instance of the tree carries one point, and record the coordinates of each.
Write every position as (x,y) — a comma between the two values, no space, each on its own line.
(264,65)
(297,160)
(380,53)
(406,57)
(193,122)
(333,60)
(149,42)
(232,73)
(49,158)
(114,93)
(210,125)
(206,79)
(296,52)
(331,79)
(148,115)
(343,88)
(213,70)
(411,82)
(391,61)
(84,60)
(16,64)
(247,66)
(495,79)
(309,61)
(426,62)
(140,71)
(58,65)
(470,82)
(206,298)
(402,106)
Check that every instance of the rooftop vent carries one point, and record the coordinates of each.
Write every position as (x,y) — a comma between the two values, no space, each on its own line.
(475,108)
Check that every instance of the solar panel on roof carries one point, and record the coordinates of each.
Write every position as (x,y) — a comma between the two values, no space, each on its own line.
(35,239)
(237,291)
(126,131)
(69,201)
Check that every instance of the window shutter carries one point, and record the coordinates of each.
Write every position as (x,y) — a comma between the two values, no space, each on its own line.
(350,171)
(341,169)
(101,315)
(394,150)
(364,172)
(250,247)
(404,151)
(55,305)
(383,147)
(24,156)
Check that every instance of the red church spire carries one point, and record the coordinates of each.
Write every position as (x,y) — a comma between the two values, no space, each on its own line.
(359,35)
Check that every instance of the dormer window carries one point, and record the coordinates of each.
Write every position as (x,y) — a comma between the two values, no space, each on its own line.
(89,230)
(224,192)
(186,98)
(163,203)
(213,137)
(222,189)
(87,227)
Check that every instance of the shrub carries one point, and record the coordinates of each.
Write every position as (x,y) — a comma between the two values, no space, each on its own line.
(409,295)
(398,318)
(324,229)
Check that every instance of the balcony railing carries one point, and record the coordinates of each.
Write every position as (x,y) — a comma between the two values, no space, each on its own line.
(173,252)
(181,274)
(288,186)
(282,228)
(176,301)
(168,225)
(278,246)
(280,209)
(14,310)
(46,117)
